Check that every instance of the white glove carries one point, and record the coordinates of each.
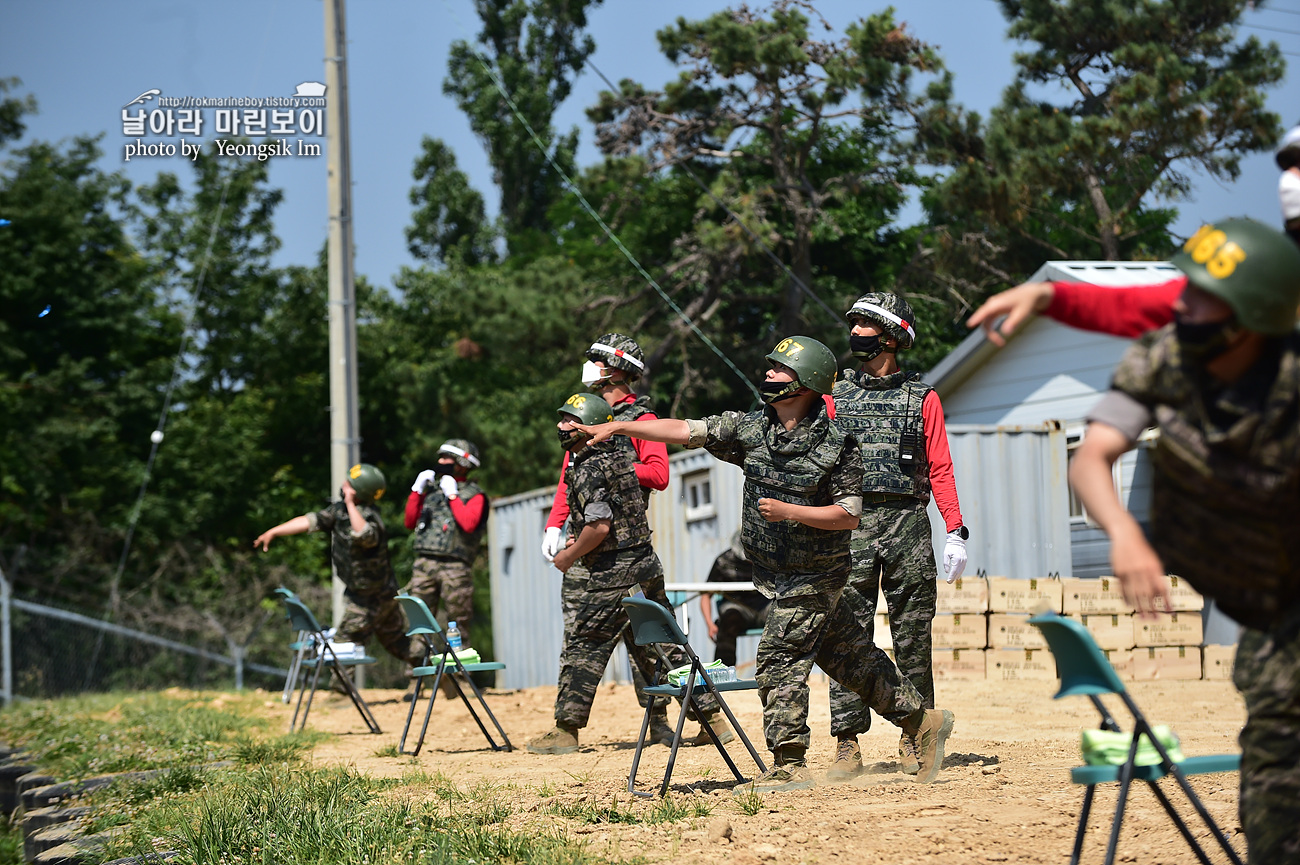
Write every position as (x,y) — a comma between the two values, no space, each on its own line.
(422,481)
(551,543)
(448,485)
(954,557)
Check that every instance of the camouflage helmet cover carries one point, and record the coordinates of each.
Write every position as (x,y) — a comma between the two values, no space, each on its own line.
(587,408)
(619,352)
(890,312)
(1249,266)
(368,481)
(462,451)
(1288,152)
(812,362)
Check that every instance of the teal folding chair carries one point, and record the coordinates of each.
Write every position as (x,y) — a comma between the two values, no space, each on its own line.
(322,656)
(1084,670)
(424,626)
(299,647)
(654,625)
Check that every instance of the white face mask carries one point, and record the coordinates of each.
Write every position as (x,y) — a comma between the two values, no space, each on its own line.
(592,374)
(1288,193)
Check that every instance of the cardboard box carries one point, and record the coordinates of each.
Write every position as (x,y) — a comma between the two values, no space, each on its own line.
(1020,664)
(884,638)
(1168,629)
(1166,663)
(1095,596)
(959,631)
(1122,661)
(964,595)
(1024,596)
(1217,662)
(1110,632)
(1013,631)
(1183,596)
(958,664)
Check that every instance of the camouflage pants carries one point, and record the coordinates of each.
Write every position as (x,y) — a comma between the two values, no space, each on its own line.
(892,550)
(734,620)
(435,577)
(823,629)
(594,622)
(1267,672)
(382,616)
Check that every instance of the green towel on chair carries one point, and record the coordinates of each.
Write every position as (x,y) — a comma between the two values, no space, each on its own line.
(678,676)
(1108,748)
(468,655)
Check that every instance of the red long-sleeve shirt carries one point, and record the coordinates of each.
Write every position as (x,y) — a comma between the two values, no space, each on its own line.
(1128,312)
(468,514)
(651,471)
(943,484)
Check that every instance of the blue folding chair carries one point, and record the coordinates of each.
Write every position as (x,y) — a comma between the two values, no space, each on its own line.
(323,656)
(1084,670)
(424,626)
(652,624)
(299,647)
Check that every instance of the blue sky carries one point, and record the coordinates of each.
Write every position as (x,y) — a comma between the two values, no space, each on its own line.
(84,60)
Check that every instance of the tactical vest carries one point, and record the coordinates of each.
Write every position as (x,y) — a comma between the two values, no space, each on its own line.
(438,533)
(1224,502)
(884,414)
(365,571)
(612,468)
(630,411)
(790,548)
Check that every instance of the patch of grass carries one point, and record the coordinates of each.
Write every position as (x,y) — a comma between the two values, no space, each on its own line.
(388,751)
(11,843)
(751,802)
(546,790)
(594,812)
(285,749)
(669,810)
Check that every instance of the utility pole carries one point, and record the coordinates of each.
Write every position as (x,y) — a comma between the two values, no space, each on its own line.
(345,424)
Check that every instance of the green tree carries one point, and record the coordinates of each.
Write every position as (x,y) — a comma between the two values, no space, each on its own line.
(449,220)
(535,48)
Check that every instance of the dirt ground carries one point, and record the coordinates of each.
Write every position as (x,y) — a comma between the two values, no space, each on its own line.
(1004,794)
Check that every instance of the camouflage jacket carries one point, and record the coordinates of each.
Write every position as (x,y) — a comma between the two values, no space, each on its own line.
(602,484)
(882,413)
(360,560)
(438,533)
(817,463)
(1226,486)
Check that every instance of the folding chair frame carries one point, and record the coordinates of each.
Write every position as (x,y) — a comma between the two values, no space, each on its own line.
(461,672)
(697,681)
(299,647)
(324,656)
(1128,772)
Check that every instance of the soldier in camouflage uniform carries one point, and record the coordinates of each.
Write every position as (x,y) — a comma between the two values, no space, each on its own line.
(738,611)
(449,515)
(802,498)
(898,422)
(610,535)
(359,548)
(1222,385)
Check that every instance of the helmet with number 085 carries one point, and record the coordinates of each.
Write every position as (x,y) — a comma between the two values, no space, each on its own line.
(1251,267)
(813,363)
(587,408)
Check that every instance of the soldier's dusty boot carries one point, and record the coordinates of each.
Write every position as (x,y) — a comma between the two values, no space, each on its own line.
(789,773)
(848,760)
(661,732)
(907,755)
(562,740)
(720,727)
(931,734)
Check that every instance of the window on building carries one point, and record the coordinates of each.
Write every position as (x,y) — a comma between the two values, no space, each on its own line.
(697,490)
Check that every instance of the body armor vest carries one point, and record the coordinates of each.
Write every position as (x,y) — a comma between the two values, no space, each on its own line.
(630,411)
(365,571)
(884,415)
(438,533)
(609,466)
(801,476)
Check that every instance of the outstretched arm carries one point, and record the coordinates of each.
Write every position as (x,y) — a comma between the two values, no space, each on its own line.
(666,430)
(296,526)
(1017,304)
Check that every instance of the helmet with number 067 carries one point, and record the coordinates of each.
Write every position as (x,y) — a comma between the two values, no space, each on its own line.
(811,361)
(588,408)
(1249,266)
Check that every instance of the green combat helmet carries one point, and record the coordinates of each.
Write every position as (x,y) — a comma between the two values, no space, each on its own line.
(890,312)
(368,481)
(620,352)
(1249,266)
(463,452)
(812,362)
(587,408)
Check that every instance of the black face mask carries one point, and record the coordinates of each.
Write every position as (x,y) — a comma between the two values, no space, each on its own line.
(775,391)
(1202,343)
(865,347)
(570,438)
(444,469)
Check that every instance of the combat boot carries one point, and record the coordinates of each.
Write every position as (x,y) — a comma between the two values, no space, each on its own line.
(848,760)
(562,740)
(660,733)
(930,735)
(720,729)
(907,755)
(789,773)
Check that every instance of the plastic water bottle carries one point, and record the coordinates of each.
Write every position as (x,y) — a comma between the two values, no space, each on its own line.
(453,636)
(722,674)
